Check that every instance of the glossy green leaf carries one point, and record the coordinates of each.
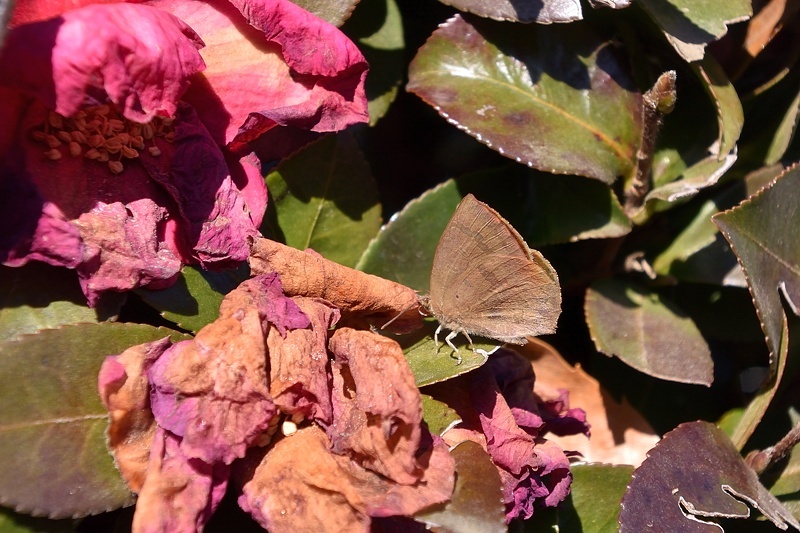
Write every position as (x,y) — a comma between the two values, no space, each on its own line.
(377,28)
(595,493)
(543,12)
(689,25)
(647,332)
(700,253)
(730,115)
(555,98)
(38,296)
(403,250)
(763,234)
(333,11)
(194,300)
(697,177)
(477,502)
(783,135)
(691,477)
(438,415)
(53,455)
(430,365)
(323,197)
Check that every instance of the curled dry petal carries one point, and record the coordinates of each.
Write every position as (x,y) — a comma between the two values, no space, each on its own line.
(125,392)
(361,297)
(212,391)
(141,57)
(299,374)
(180,493)
(376,404)
(301,486)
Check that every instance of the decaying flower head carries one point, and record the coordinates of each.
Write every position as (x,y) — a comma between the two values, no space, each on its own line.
(124,128)
(314,419)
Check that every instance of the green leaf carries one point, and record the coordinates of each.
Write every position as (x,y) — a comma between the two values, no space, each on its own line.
(785,132)
(556,98)
(647,332)
(53,455)
(403,250)
(430,365)
(194,300)
(763,234)
(39,296)
(333,11)
(697,177)
(689,25)
(593,504)
(477,502)
(730,115)
(323,197)
(377,27)
(438,415)
(700,253)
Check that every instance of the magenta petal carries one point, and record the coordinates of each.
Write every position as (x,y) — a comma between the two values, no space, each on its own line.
(141,57)
(215,215)
(289,68)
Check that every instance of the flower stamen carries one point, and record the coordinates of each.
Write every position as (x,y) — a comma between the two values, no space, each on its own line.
(96,132)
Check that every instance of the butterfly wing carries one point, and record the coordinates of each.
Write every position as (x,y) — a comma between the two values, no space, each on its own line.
(485,280)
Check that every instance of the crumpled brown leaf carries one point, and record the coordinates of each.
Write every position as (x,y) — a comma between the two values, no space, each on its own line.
(363,299)
(300,485)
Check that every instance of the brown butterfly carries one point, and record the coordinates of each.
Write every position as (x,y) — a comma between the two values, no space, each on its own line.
(486,281)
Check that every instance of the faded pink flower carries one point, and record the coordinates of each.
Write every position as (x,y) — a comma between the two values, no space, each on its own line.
(500,412)
(124,129)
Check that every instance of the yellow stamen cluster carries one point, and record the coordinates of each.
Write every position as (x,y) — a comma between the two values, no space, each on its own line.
(100,133)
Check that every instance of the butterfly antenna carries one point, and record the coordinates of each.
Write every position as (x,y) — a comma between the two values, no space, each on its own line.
(398,315)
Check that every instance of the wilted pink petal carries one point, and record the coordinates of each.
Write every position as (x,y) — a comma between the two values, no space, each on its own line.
(560,419)
(275,307)
(309,74)
(301,486)
(141,57)
(534,471)
(212,391)
(179,493)
(215,220)
(299,374)
(125,392)
(121,248)
(375,419)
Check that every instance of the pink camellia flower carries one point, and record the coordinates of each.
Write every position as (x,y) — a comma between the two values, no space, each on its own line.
(124,128)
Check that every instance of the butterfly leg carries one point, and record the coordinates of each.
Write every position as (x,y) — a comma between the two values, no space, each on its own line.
(436,337)
(449,341)
(471,346)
